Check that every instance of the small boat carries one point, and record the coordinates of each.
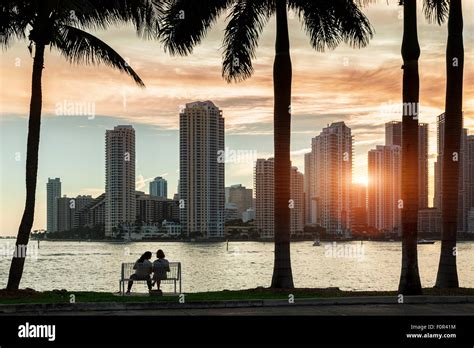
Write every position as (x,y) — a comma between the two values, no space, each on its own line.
(426,241)
(317,243)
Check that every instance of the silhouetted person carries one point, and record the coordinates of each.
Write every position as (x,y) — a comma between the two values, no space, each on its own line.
(160,268)
(142,268)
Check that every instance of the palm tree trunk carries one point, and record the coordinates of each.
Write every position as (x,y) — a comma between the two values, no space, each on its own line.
(447,271)
(410,278)
(282,275)
(34,125)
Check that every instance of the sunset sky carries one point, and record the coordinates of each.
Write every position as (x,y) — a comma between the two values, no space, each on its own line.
(351,85)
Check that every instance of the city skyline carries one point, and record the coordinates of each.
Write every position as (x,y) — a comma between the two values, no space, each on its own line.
(139,184)
(352,75)
(325,197)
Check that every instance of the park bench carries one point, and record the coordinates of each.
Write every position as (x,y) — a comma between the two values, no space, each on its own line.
(173,276)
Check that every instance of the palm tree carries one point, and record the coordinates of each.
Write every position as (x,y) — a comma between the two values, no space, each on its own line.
(453,119)
(326,22)
(410,283)
(62,24)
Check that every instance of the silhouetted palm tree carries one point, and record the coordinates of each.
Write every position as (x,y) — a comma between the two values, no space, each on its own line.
(410,283)
(327,23)
(63,25)
(453,121)
(410,278)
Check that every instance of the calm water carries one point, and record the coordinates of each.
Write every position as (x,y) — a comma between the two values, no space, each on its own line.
(206,267)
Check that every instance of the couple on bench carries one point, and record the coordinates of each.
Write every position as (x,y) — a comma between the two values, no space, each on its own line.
(143,269)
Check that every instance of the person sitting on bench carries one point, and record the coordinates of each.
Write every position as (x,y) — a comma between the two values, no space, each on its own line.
(160,267)
(142,268)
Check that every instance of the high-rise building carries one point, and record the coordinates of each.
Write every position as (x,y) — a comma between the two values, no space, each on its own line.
(309,187)
(359,208)
(63,213)
(93,214)
(439,160)
(393,133)
(429,223)
(265,197)
(201,183)
(329,191)
(159,187)
(393,136)
(423,174)
(384,189)
(297,202)
(466,184)
(120,205)
(77,204)
(70,212)
(466,177)
(156,209)
(240,196)
(53,191)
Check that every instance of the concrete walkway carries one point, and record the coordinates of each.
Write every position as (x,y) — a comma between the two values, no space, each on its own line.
(382,305)
(307,310)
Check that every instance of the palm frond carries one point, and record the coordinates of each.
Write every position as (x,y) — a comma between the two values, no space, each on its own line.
(78,46)
(100,14)
(186,22)
(246,21)
(328,23)
(436,10)
(355,27)
(14,19)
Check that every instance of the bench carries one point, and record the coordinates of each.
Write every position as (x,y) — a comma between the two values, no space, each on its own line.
(173,276)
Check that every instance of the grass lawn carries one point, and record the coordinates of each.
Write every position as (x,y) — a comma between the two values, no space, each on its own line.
(63,296)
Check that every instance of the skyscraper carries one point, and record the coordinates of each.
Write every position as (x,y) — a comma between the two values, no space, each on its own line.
(119,177)
(439,160)
(393,136)
(201,129)
(156,209)
(69,211)
(63,213)
(466,183)
(240,196)
(77,204)
(393,133)
(265,197)
(297,202)
(93,214)
(384,190)
(308,187)
(423,154)
(53,191)
(329,191)
(159,187)
(466,177)
(359,208)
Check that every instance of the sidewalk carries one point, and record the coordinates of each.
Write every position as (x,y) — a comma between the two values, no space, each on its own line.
(382,305)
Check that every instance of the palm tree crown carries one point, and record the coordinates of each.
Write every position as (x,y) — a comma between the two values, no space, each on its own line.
(327,23)
(63,24)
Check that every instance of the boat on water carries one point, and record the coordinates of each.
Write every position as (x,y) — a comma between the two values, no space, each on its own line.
(426,241)
(317,243)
